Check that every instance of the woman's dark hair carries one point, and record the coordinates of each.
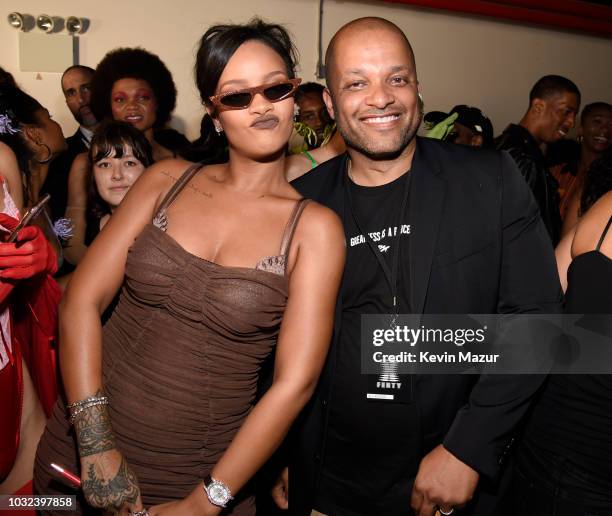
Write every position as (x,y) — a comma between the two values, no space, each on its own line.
(132,63)
(6,78)
(17,109)
(211,147)
(111,140)
(220,42)
(598,181)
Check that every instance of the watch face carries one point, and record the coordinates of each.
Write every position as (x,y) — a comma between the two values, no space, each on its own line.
(218,492)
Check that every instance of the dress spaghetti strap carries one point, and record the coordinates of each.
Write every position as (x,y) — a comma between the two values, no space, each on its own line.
(603,235)
(160,219)
(290,228)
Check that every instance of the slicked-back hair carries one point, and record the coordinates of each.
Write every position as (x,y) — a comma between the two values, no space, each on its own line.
(552,85)
(132,63)
(589,108)
(220,42)
(83,68)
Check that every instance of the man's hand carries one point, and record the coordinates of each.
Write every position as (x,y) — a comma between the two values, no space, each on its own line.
(280,491)
(442,481)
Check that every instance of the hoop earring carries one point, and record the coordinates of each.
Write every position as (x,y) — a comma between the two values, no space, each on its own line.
(49,154)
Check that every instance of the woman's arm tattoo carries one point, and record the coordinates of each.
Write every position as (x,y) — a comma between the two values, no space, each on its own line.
(93,430)
(121,489)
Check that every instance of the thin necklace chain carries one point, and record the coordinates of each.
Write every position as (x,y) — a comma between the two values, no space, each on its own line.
(349,170)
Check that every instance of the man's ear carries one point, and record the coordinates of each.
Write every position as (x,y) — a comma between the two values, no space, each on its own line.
(538,106)
(328,103)
(477,140)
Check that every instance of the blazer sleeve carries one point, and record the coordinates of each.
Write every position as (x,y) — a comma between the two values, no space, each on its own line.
(482,431)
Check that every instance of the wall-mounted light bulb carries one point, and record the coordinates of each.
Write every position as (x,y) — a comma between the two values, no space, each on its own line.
(45,23)
(74,25)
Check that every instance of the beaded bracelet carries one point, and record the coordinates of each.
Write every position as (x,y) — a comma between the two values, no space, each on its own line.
(78,407)
(86,400)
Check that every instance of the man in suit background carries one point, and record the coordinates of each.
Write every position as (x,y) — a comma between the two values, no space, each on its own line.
(431,228)
(76,86)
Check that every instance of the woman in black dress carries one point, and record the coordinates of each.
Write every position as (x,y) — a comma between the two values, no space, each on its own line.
(564,463)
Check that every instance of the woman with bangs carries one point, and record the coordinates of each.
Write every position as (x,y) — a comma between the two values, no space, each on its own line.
(118,155)
(222,265)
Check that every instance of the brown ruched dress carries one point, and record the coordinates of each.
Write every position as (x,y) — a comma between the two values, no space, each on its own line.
(181,357)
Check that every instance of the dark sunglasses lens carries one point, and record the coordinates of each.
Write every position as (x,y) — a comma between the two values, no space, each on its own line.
(236,100)
(278,91)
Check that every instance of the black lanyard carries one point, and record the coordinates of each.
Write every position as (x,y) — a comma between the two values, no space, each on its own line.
(390,274)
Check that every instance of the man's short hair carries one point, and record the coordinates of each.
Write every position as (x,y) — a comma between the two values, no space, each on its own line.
(309,88)
(77,67)
(552,85)
(589,108)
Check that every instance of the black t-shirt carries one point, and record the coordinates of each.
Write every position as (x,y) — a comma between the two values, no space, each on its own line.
(372,450)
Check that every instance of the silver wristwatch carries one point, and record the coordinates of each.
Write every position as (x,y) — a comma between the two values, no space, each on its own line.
(217,492)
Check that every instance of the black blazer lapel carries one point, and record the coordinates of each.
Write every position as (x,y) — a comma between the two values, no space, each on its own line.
(425,211)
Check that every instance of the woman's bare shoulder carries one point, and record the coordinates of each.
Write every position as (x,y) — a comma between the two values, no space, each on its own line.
(9,172)
(320,224)
(167,171)
(591,225)
(6,151)
(8,161)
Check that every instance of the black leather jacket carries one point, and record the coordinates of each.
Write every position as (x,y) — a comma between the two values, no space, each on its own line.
(526,152)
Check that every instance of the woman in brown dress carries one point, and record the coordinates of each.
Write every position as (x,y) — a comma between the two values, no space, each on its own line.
(220,265)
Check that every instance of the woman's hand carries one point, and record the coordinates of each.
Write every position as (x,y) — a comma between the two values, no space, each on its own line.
(196,504)
(109,483)
(280,490)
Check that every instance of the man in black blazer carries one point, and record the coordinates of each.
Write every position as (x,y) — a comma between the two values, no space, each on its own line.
(431,228)
(76,86)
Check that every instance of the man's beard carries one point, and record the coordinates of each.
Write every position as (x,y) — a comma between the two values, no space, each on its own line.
(88,121)
(356,142)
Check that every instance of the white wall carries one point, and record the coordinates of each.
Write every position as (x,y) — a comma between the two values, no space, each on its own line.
(460,59)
